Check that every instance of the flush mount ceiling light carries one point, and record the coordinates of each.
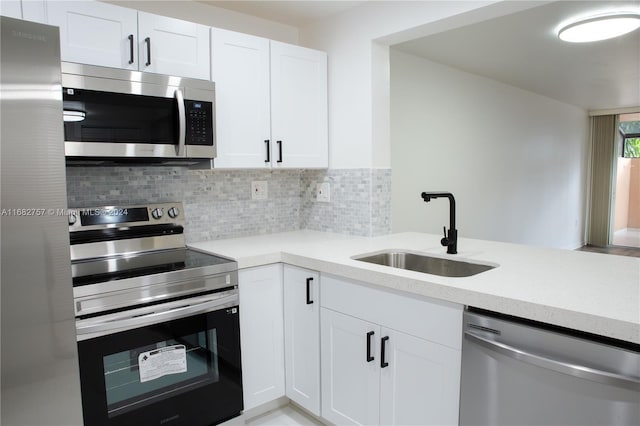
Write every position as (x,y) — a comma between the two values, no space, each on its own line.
(600,27)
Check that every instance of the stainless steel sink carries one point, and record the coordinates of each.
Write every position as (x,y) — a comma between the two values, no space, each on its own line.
(423,263)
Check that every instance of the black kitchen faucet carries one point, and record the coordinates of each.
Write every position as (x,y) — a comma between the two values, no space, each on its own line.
(450,240)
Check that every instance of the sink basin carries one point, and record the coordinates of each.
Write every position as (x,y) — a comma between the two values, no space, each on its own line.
(422,263)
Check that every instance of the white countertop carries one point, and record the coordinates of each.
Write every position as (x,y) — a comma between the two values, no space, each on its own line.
(591,292)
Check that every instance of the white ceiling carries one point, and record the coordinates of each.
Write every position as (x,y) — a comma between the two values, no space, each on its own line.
(295,13)
(523,50)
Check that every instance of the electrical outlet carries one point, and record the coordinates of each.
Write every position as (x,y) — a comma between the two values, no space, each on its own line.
(323,192)
(259,190)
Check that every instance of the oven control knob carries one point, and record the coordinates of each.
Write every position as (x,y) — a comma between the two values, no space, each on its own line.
(73,218)
(156,213)
(173,212)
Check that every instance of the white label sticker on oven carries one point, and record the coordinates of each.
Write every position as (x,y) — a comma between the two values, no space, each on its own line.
(161,362)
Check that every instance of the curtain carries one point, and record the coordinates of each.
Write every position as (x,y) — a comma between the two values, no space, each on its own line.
(604,131)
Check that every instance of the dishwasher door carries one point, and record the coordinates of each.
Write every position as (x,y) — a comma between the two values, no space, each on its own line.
(517,373)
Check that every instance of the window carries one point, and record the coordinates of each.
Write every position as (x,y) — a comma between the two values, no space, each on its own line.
(630,132)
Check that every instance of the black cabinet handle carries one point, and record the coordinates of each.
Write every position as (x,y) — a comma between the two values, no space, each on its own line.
(309,301)
(383,344)
(130,48)
(369,356)
(148,42)
(268,160)
(279,151)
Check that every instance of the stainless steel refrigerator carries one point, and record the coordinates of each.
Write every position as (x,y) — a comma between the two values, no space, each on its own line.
(40,377)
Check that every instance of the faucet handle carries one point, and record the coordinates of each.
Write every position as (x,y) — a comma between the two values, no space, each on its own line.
(445,240)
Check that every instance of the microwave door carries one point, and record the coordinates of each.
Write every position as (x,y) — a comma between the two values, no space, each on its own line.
(109,124)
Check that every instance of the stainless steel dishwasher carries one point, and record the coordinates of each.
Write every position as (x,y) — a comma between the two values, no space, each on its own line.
(519,372)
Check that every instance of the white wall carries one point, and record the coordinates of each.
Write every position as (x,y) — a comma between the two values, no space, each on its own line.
(214,16)
(357,44)
(358,71)
(515,161)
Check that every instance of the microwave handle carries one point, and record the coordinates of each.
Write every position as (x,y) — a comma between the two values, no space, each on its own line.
(182,124)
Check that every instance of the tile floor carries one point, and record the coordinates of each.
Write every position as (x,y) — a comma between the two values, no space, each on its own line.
(627,238)
(283,416)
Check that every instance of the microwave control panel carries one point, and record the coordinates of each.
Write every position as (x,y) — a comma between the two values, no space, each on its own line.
(199,122)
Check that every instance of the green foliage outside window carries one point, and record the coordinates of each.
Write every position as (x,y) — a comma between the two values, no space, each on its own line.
(632,148)
(630,131)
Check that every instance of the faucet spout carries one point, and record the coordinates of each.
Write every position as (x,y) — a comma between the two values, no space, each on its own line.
(450,240)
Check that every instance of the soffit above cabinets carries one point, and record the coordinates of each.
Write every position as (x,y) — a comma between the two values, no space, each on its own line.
(294,13)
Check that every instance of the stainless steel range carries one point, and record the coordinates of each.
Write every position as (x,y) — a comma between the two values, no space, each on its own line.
(157,323)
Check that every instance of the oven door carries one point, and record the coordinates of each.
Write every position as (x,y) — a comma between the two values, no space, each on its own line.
(177,363)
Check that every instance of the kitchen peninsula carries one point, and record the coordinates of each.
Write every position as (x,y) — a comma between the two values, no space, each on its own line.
(589,292)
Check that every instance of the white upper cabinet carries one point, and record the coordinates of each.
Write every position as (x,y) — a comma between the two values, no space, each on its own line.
(34,10)
(271,100)
(11,8)
(29,10)
(172,46)
(103,34)
(240,69)
(299,106)
(96,33)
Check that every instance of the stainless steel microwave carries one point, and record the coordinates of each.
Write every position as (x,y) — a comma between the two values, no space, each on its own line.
(121,115)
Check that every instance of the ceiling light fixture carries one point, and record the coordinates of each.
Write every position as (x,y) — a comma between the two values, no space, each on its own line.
(600,27)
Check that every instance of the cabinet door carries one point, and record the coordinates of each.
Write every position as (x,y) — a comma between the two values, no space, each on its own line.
(95,33)
(298,106)
(34,10)
(172,46)
(302,337)
(421,383)
(240,69)
(11,8)
(261,334)
(350,375)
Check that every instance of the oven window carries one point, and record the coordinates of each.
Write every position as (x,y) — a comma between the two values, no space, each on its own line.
(184,371)
(137,375)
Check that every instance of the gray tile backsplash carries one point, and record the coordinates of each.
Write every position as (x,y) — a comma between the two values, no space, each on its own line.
(360,201)
(218,203)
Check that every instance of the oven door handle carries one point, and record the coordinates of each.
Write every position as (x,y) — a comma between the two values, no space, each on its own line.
(149,315)
(182,124)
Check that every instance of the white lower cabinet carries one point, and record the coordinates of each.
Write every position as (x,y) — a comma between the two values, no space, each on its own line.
(420,385)
(349,352)
(261,334)
(350,376)
(302,337)
(374,374)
